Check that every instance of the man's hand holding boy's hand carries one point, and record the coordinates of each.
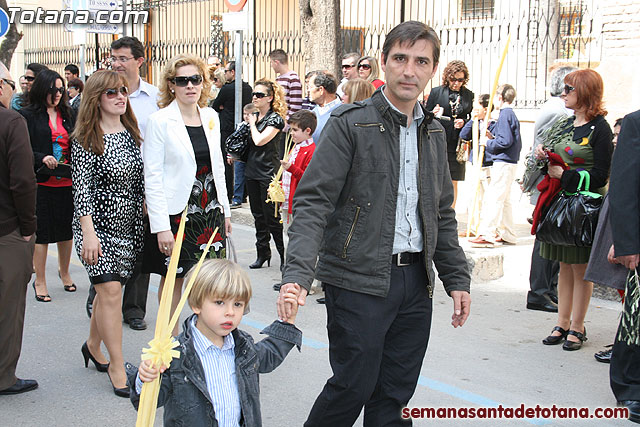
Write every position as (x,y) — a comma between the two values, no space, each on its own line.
(147,372)
(291,296)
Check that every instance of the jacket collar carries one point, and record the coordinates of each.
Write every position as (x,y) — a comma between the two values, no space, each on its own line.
(382,105)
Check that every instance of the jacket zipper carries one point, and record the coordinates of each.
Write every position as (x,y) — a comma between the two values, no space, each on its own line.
(353,228)
(422,216)
(368,125)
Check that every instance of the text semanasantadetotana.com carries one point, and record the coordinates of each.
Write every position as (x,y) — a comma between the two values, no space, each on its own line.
(521,411)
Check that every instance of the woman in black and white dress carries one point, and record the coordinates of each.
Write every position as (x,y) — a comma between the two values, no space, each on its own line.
(108,193)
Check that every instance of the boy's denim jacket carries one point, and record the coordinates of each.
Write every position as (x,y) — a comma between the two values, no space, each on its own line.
(183,390)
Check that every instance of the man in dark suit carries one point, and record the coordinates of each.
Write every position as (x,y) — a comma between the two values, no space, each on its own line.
(624,199)
(225,105)
(17,228)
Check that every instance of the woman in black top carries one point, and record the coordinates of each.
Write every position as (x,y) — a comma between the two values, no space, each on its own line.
(452,104)
(262,164)
(50,121)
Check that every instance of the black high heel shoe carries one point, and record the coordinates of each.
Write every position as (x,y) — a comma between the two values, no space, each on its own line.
(100,367)
(120,392)
(40,298)
(258,263)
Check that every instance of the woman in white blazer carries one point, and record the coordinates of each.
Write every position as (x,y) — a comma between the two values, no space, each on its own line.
(183,168)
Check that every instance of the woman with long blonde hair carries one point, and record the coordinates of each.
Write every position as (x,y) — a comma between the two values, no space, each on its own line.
(357,90)
(263,161)
(183,168)
(108,194)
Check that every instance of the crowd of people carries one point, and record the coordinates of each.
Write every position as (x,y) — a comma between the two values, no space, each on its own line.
(109,164)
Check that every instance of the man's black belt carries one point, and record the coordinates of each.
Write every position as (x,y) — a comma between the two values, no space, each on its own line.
(406,258)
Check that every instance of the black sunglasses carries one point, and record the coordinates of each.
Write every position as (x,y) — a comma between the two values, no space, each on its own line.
(568,88)
(57,89)
(29,78)
(364,66)
(10,83)
(183,81)
(347,66)
(112,93)
(453,80)
(258,95)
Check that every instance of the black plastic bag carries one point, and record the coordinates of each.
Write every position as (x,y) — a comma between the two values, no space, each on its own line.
(572,218)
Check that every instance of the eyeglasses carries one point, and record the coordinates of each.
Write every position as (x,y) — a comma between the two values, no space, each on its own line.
(10,83)
(122,59)
(112,93)
(216,64)
(568,88)
(347,66)
(227,71)
(60,90)
(215,79)
(183,81)
(29,78)
(453,80)
(364,66)
(258,95)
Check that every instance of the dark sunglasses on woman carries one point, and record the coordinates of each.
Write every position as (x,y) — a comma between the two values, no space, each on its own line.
(57,89)
(364,66)
(29,78)
(568,88)
(258,95)
(112,93)
(183,81)
(453,80)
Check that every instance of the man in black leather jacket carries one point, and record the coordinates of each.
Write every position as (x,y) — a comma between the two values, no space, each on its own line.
(375,204)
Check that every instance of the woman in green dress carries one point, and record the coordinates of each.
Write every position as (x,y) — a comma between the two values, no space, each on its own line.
(584,142)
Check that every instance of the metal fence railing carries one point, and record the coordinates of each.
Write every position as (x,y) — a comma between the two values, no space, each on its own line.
(543,32)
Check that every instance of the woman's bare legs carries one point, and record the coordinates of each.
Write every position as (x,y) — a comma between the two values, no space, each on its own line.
(565,297)
(64,258)
(581,296)
(108,318)
(455,194)
(94,340)
(40,264)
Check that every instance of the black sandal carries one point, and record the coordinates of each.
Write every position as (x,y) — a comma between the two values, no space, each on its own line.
(40,298)
(68,288)
(571,345)
(552,339)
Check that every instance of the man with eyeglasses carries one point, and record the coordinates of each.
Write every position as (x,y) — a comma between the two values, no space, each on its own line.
(349,70)
(17,227)
(127,56)
(225,104)
(322,92)
(20,100)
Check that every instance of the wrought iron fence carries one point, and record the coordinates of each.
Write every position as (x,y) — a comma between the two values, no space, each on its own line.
(543,32)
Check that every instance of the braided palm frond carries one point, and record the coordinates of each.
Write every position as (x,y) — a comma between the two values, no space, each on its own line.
(630,323)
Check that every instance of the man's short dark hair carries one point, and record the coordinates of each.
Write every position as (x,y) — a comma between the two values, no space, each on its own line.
(325,79)
(280,56)
(76,83)
(231,65)
(304,119)
(410,32)
(137,49)
(73,69)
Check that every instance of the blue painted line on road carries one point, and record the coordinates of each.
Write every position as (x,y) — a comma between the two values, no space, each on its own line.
(468,396)
(307,342)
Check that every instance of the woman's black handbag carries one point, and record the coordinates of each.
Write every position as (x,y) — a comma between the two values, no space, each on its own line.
(238,142)
(572,218)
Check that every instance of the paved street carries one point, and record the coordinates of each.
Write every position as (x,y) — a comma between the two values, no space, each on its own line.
(495,359)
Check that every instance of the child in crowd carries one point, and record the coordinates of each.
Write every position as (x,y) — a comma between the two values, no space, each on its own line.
(479,113)
(504,145)
(237,148)
(215,379)
(302,124)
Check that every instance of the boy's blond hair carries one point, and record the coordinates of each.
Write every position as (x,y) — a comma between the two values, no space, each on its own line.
(219,279)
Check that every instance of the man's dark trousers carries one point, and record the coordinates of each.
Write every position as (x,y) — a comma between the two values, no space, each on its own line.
(376,349)
(134,300)
(543,277)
